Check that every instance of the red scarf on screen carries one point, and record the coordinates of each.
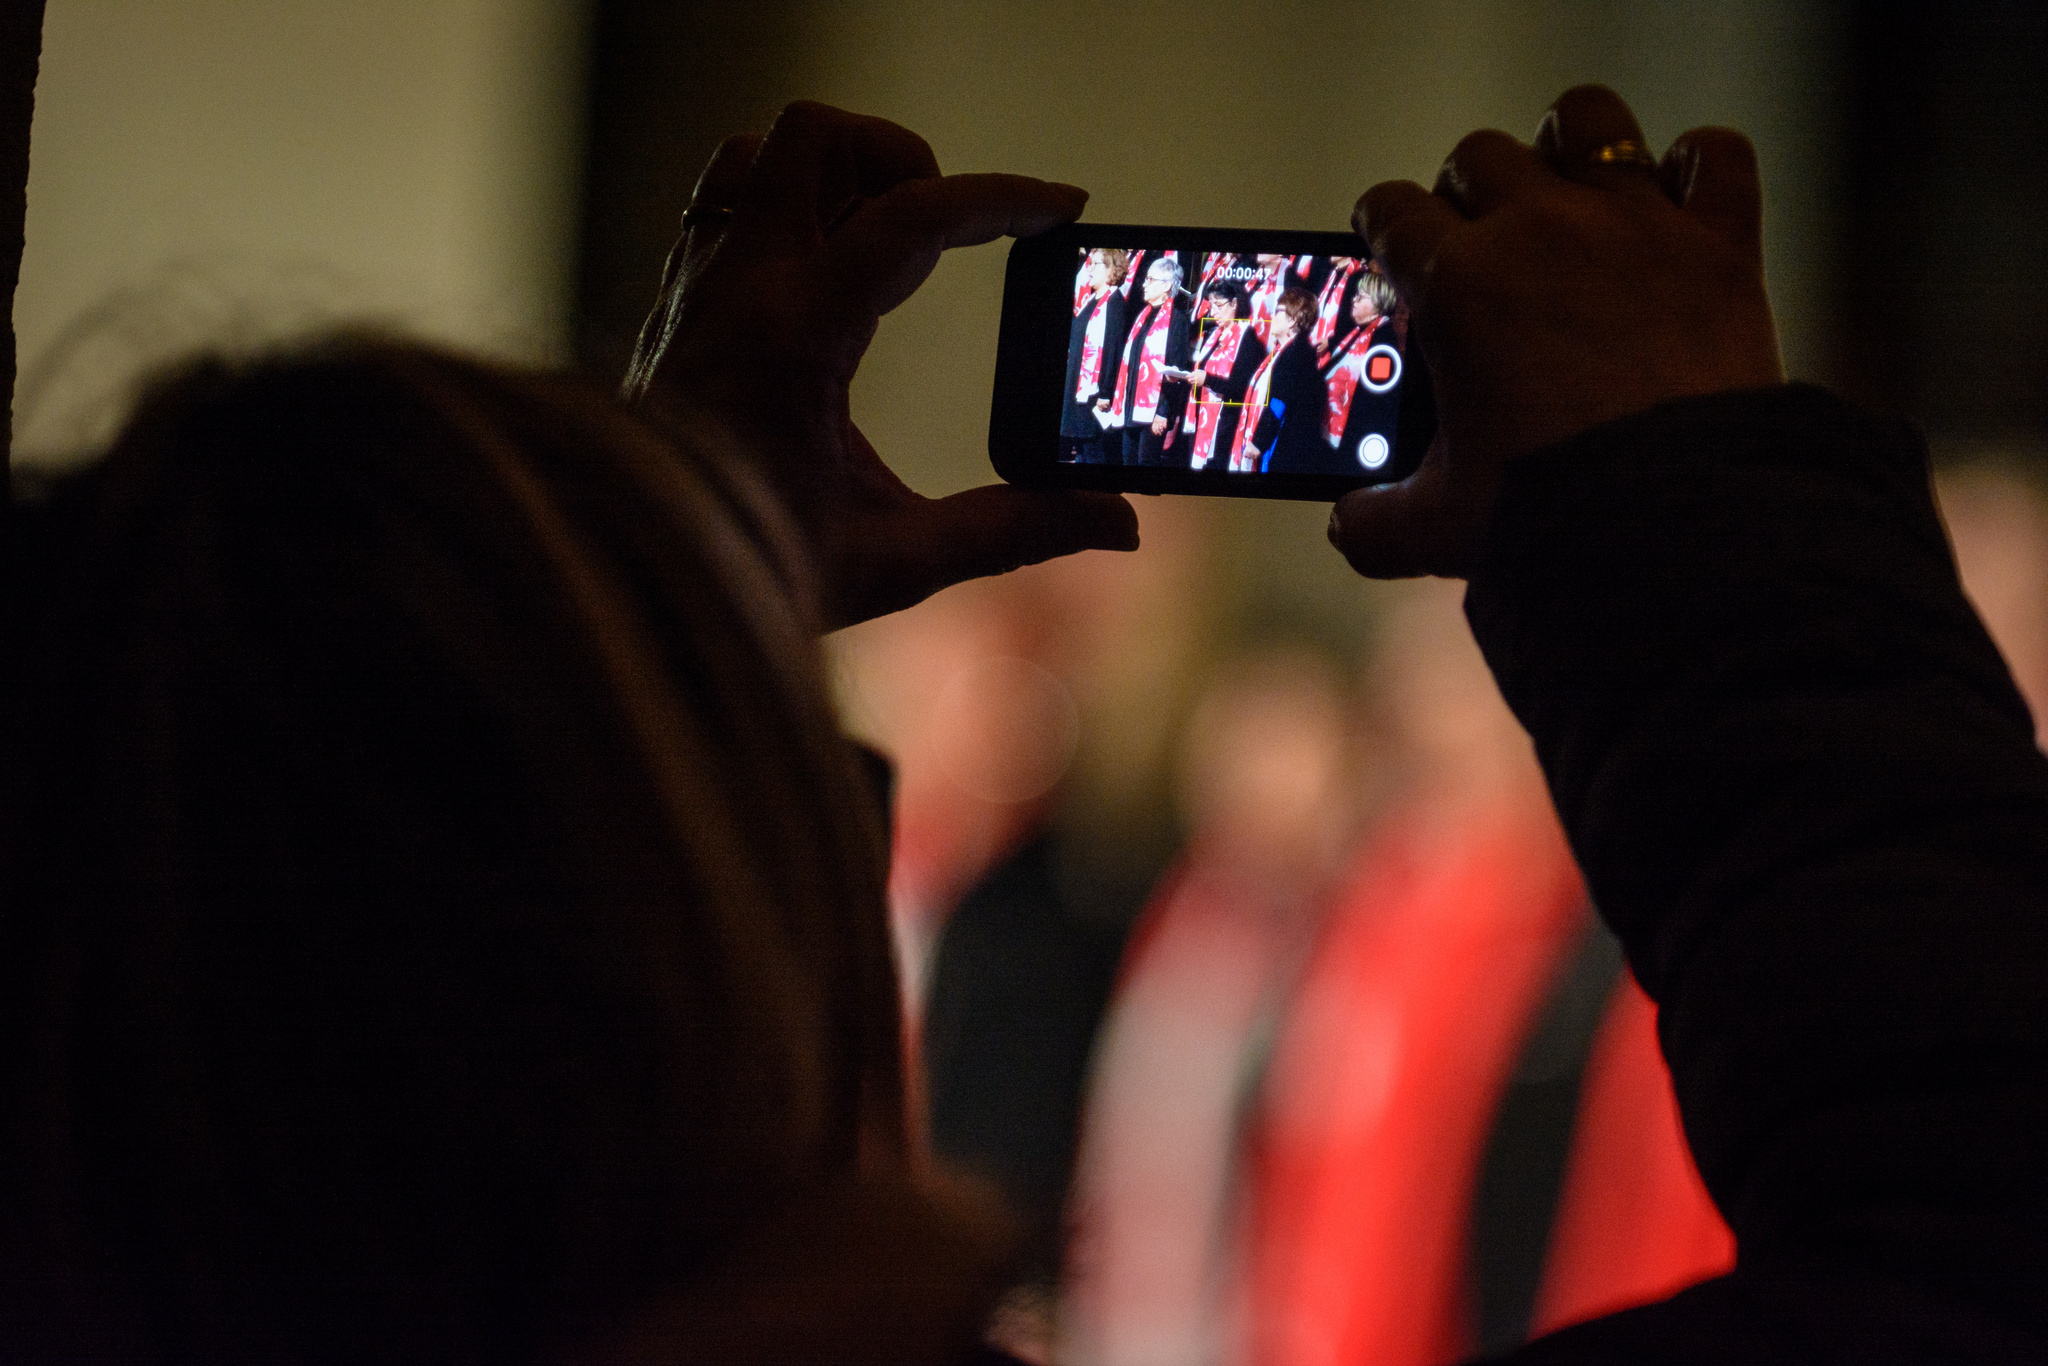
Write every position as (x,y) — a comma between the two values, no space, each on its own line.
(1330,304)
(1216,355)
(1147,351)
(1243,458)
(1342,375)
(1264,299)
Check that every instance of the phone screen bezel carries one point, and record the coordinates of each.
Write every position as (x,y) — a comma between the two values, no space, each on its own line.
(1031,360)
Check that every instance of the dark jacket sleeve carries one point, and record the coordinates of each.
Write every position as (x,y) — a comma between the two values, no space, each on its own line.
(1126,387)
(1180,354)
(1804,792)
(1113,338)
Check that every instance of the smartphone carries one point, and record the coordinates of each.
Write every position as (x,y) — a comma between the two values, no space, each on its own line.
(1204,360)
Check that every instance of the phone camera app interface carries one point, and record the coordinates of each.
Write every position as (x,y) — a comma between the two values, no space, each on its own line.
(1232,363)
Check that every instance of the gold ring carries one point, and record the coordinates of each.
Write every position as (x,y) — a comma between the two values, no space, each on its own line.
(706,215)
(1625,154)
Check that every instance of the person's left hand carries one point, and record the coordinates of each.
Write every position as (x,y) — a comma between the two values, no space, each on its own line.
(794,247)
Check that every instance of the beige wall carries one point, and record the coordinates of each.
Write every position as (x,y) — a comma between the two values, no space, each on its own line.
(227,169)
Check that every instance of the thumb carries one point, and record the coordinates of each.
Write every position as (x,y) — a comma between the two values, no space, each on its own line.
(997,528)
(1421,525)
(904,556)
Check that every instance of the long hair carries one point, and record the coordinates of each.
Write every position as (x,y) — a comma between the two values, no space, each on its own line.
(440,912)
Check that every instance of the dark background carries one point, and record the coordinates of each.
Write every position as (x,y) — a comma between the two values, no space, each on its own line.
(1942,258)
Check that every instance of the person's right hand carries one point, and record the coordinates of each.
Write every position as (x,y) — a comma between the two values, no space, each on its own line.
(1553,290)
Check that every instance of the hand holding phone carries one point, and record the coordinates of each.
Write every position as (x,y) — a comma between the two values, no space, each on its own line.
(1565,291)
(795,245)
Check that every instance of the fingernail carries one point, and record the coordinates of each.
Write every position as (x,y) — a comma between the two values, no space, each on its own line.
(1071,191)
(1688,172)
(1336,523)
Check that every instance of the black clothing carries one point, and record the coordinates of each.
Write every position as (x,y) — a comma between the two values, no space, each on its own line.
(1021,978)
(1251,352)
(1086,450)
(1291,428)
(1141,446)
(1805,795)
(1319,269)
(1077,418)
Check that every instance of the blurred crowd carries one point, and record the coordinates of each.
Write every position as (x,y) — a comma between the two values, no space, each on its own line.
(1255,969)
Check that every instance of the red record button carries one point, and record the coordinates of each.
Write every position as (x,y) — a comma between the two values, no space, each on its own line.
(1382,369)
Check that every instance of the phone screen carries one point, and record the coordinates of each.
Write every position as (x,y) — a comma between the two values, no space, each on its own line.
(1220,361)
(1232,363)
